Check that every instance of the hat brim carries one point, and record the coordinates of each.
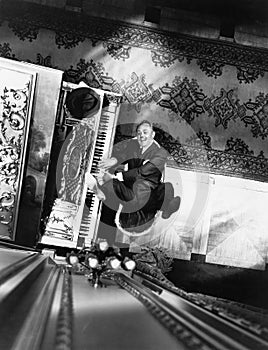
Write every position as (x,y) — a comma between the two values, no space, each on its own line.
(82,102)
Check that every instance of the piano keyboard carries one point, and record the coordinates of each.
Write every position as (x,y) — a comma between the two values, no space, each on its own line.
(103,148)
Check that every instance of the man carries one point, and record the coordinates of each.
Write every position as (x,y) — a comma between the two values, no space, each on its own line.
(138,166)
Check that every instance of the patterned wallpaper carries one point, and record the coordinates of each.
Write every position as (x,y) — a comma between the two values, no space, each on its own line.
(207,98)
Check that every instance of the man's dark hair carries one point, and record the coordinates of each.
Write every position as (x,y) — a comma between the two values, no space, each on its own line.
(145,121)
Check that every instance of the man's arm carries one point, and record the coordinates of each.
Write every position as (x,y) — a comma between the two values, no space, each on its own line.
(151,170)
(121,152)
(108,163)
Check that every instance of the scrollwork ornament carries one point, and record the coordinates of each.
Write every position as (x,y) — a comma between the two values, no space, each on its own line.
(114,99)
(184,97)
(5,50)
(24,29)
(7,201)
(211,68)
(68,40)
(238,146)
(93,74)
(6,218)
(257,116)
(117,51)
(165,60)
(248,75)
(16,121)
(14,102)
(224,107)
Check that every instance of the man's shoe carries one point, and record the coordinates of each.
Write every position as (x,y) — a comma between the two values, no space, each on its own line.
(173,206)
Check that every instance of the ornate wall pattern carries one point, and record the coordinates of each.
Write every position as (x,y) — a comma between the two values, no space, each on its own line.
(218,88)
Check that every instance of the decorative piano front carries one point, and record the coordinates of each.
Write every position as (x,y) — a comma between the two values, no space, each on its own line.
(73,160)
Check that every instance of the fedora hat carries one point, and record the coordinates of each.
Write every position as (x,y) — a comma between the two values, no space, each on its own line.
(82,102)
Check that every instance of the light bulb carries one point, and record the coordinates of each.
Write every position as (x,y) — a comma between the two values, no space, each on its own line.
(73,260)
(114,262)
(93,261)
(103,245)
(129,264)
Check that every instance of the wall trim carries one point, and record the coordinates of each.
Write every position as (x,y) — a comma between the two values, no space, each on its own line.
(26,19)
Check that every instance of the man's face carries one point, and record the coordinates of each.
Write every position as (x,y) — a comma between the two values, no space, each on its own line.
(145,135)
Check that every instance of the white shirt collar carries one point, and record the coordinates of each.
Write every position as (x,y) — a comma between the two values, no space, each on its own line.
(145,148)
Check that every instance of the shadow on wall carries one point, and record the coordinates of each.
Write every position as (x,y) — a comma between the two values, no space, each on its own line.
(241,285)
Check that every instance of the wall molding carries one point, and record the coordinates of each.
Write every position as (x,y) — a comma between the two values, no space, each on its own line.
(26,20)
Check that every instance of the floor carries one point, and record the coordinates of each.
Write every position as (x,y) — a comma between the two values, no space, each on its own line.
(239,285)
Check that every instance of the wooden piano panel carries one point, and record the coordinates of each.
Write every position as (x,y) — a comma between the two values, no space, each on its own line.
(31,117)
(17,84)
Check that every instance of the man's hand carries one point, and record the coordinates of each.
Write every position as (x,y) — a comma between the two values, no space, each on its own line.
(92,184)
(107,177)
(108,163)
(90,181)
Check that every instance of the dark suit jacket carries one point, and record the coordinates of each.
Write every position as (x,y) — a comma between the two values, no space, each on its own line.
(138,191)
